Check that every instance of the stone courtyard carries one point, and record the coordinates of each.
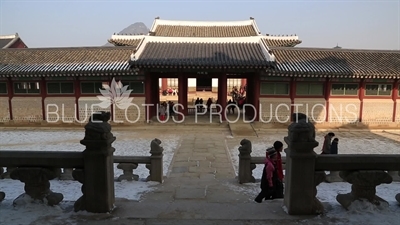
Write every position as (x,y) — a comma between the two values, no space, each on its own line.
(194,190)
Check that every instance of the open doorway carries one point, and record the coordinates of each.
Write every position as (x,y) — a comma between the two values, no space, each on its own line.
(203,84)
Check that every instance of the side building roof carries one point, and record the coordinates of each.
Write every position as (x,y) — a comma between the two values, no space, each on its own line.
(7,41)
(340,63)
(85,61)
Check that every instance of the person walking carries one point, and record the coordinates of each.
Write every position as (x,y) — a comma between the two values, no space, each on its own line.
(278,146)
(326,147)
(269,179)
(334,146)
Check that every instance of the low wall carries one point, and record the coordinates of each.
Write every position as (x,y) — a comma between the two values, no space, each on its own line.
(62,110)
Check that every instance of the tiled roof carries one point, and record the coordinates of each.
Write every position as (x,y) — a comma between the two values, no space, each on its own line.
(7,40)
(124,42)
(204,31)
(336,63)
(67,61)
(282,42)
(4,42)
(210,55)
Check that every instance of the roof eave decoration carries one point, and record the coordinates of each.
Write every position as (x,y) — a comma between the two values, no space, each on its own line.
(255,26)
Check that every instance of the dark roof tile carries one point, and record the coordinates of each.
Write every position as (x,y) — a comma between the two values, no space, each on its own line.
(125,42)
(337,62)
(282,42)
(64,60)
(205,31)
(201,54)
(4,42)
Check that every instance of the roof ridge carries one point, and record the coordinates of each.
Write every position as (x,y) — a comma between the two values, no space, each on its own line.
(337,50)
(9,36)
(67,48)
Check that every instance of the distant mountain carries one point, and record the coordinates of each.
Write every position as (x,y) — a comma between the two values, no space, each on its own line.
(136,28)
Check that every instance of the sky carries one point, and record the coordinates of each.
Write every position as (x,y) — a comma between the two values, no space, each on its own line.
(351,24)
(68,140)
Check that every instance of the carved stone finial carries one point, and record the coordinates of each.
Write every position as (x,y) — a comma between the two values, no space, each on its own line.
(301,130)
(98,127)
(245,148)
(155,147)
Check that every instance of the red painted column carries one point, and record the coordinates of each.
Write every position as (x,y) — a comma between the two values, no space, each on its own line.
(361,95)
(327,94)
(164,84)
(395,95)
(292,94)
(250,97)
(222,87)
(156,85)
(148,97)
(10,91)
(43,94)
(244,82)
(77,88)
(182,95)
(257,96)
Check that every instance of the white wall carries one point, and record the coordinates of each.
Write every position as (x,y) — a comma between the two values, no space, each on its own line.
(191,82)
(215,82)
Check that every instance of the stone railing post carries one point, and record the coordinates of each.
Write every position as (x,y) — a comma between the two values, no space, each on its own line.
(7,173)
(2,194)
(300,177)
(363,186)
(333,176)
(245,167)
(395,175)
(37,184)
(66,174)
(98,174)
(156,164)
(398,195)
(127,169)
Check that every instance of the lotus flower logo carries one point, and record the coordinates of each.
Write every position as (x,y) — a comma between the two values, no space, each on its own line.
(115,94)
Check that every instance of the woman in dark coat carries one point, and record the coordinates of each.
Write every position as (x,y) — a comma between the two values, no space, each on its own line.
(270,184)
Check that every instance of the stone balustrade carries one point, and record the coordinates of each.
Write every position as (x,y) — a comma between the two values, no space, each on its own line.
(93,168)
(305,170)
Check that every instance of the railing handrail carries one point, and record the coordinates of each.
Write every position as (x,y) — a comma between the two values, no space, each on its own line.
(132,159)
(62,159)
(386,162)
(65,159)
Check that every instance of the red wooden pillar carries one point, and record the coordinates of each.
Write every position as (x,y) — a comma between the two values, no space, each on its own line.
(77,88)
(43,94)
(182,96)
(292,94)
(222,87)
(361,95)
(257,96)
(327,95)
(164,84)
(249,97)
(148,97)
(244,82)
(10,92)
(395,95)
